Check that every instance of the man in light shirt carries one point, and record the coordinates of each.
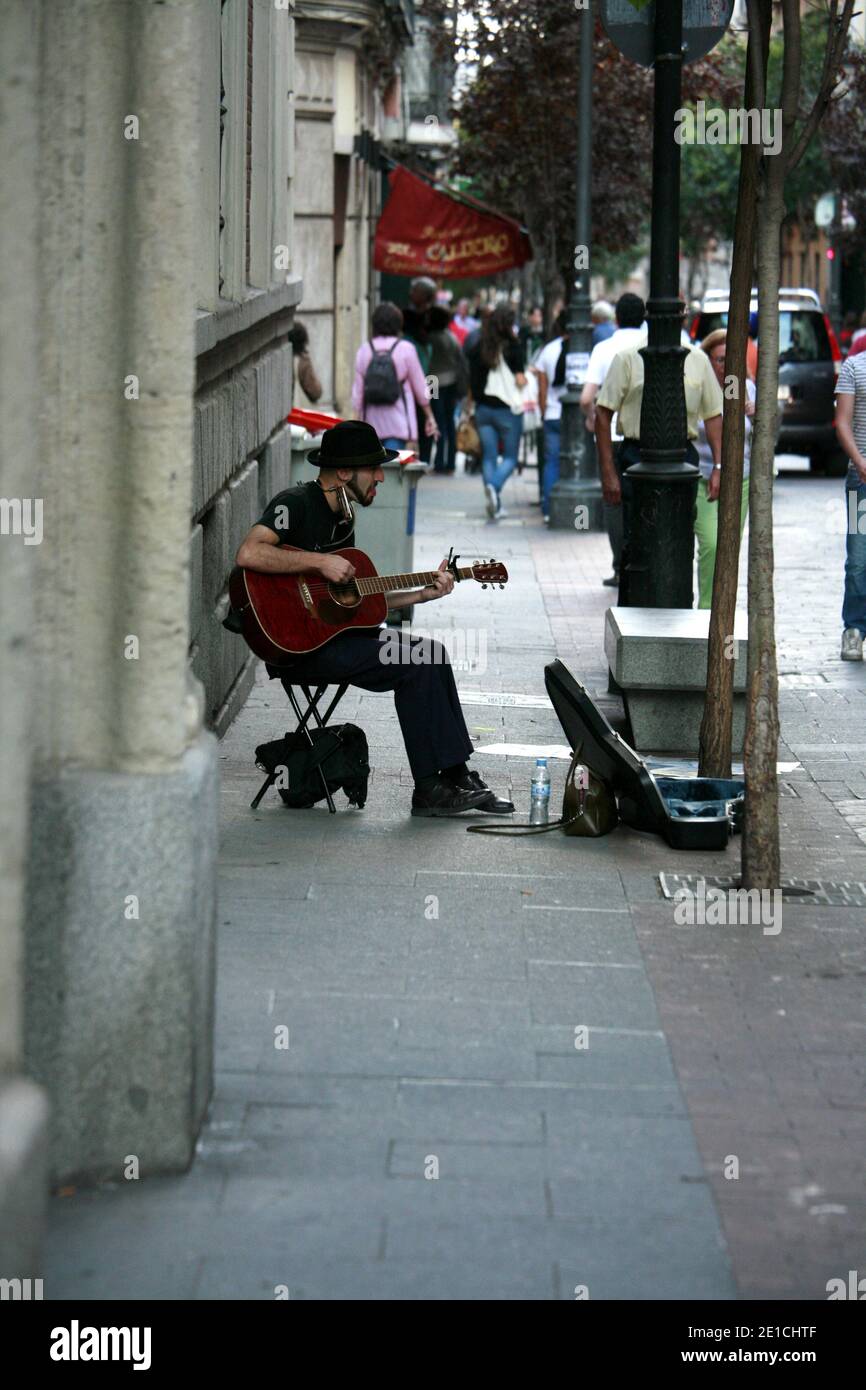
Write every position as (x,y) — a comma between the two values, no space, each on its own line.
(622,395)
(603,326)
(549,368)
(630,332)
(851,433)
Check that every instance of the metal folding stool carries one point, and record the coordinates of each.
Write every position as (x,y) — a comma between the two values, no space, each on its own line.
(303,717)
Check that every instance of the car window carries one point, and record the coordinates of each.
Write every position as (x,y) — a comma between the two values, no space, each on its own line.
(802,337)
(708,323)
(802,334)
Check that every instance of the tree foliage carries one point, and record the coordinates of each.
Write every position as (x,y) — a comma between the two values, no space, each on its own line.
(516,118)
(844,139)
(517,123)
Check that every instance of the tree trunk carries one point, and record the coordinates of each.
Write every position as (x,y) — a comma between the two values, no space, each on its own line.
(761,865)
(716,726)
(761,857)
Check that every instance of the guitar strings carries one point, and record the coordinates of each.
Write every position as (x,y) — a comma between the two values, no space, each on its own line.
(319,586)
(323,586)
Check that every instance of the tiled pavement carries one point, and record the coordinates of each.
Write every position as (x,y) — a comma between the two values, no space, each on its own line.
(432,984)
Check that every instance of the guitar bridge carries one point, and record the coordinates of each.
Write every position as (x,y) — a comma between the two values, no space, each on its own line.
(306,596)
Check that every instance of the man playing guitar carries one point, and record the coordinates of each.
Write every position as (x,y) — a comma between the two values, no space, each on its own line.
(316,519)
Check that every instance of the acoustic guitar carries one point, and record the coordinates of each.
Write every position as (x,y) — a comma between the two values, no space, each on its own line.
(286,615)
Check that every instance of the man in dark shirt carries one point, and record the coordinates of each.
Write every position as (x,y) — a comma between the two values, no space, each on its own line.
(310,517)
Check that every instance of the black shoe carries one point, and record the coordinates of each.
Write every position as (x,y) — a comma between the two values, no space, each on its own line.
(493,805)
(446,799)
(612,582)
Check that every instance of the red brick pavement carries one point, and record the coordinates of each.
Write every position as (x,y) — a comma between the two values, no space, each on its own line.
(767,1032)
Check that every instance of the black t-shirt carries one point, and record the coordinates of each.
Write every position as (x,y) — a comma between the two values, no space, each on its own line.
(513,354)
(301,517)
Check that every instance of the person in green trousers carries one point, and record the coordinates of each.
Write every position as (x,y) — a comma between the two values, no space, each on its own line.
(707,517)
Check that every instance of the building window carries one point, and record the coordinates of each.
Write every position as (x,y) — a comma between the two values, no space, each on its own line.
(249,130)
(242,233)
(233,150)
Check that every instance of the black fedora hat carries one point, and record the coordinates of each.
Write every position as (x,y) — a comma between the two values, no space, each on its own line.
(351,444)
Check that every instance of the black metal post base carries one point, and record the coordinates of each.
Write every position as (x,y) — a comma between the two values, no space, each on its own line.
(575,500)
(661,539)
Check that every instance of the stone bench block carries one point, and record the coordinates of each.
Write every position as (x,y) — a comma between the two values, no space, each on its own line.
(658,658)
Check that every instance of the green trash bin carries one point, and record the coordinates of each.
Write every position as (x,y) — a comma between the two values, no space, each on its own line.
(386,529)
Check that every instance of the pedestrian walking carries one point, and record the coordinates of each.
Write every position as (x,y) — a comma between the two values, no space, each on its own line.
(550,368)
(630,331)
(450,380)
(416,325)
(851,434)
(389,384)
(707,514)
(532,338)
(858,339)
(304,371)
(622,396)
(531,335)
(463,322)
(847,331)
(496,378)
(603,326)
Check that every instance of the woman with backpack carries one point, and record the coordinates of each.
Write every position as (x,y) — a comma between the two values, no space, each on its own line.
(496,378)
(389,381)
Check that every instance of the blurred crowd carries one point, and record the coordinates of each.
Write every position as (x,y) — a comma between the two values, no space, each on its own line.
(467,379)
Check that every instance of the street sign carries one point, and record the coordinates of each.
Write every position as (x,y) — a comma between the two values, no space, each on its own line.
(825,210)
(576,368)
(631,29)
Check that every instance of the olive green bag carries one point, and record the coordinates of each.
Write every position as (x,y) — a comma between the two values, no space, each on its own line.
(588,808)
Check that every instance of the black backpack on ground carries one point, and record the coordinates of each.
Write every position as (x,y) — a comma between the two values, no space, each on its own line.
(339,749)
(381,383)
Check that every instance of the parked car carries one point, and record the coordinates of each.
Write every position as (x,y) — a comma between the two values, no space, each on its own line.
(809,361)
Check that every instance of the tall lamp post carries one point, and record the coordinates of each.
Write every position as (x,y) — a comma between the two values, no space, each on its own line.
(661,530)
(575,500)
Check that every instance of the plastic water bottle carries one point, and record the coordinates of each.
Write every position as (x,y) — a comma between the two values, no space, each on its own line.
(539,794)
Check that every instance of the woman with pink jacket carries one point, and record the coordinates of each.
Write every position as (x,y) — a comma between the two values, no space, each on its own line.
(395,423)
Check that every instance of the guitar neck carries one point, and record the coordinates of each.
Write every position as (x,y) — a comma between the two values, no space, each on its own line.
(387,583)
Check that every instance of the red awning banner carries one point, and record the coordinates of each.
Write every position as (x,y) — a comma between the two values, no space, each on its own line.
(429,231)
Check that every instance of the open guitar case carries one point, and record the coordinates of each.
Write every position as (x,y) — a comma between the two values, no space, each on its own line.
(688,812)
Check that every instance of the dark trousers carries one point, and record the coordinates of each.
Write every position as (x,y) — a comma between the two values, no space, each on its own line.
(444,407)
(418,671)
(425,443)
(627,453)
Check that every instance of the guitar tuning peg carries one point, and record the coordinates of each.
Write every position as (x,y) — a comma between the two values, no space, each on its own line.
(502,586)
(484,586)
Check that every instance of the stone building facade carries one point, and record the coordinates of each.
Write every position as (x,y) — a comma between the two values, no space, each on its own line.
(347,94)
(147,282)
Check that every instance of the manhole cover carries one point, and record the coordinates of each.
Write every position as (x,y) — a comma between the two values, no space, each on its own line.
(810,892)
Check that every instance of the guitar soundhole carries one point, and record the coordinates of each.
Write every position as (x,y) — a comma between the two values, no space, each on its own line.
(345,595)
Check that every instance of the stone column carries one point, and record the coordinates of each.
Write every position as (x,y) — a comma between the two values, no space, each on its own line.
(120,955)
(23,1107)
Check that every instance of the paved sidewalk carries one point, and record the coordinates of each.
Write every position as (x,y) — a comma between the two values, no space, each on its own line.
(431,983)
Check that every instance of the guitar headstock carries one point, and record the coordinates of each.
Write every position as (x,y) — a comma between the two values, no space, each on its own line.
(490,572)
